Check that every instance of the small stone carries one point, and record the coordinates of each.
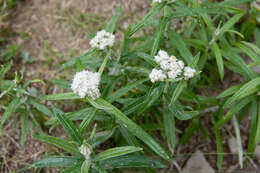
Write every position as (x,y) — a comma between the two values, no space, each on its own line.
(232,144)
(257,153)
(197,164)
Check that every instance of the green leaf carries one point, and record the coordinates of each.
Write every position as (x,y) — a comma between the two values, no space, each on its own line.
(159,34)
(239,141)
(230,23)
(247,89)
(119,93)
(178,90)
(131,161)
(169,128)
(63,144)
(42,108)
(253,129)
(148,58)
(180,114)
(234,109)
(73,61)
(57,161)
(68,126)
(130,125)
(87,120)
(257,37)
(152,13)
(189,132)
(219,60)
(101,137)
(252,46)
(115,152)
(61,96)
(86,166)
(177,41)
(62,83)
(111,25)
(10,109)
(219,149)
(231,90)
(231,55)
(25,128)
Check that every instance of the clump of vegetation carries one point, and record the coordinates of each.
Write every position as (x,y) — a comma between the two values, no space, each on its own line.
(132,95)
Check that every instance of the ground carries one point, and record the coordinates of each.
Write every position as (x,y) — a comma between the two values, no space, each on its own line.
(53,31)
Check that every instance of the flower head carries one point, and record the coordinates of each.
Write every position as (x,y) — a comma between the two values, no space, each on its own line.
(85,150)
(157,75)
(86,83)
(154,1)
(102,40)
(171,66)
(188,73)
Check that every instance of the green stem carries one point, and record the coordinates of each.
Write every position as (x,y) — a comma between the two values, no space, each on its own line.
(101,69)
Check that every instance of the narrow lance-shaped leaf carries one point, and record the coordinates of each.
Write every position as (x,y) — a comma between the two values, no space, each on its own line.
(253,129)
(152,13)
(245,90)
(177,41)
(111,25)
(87,120)
(62,96)
(159,34)
(9,110)
(239,141)
(61,143)
(86,166)
(57,161)
(169,128)
(131,161)
(115,152)
(125,89)
(229,23)
(68,126)
(130,125)
(42,108)
(234,109)
(219,149)
(219,60)
(25,128)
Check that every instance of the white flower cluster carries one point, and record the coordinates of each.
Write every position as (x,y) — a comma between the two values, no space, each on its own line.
(102,40)
(86,83)
(157,75)
(85,150)
(154,1)
(171,67)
